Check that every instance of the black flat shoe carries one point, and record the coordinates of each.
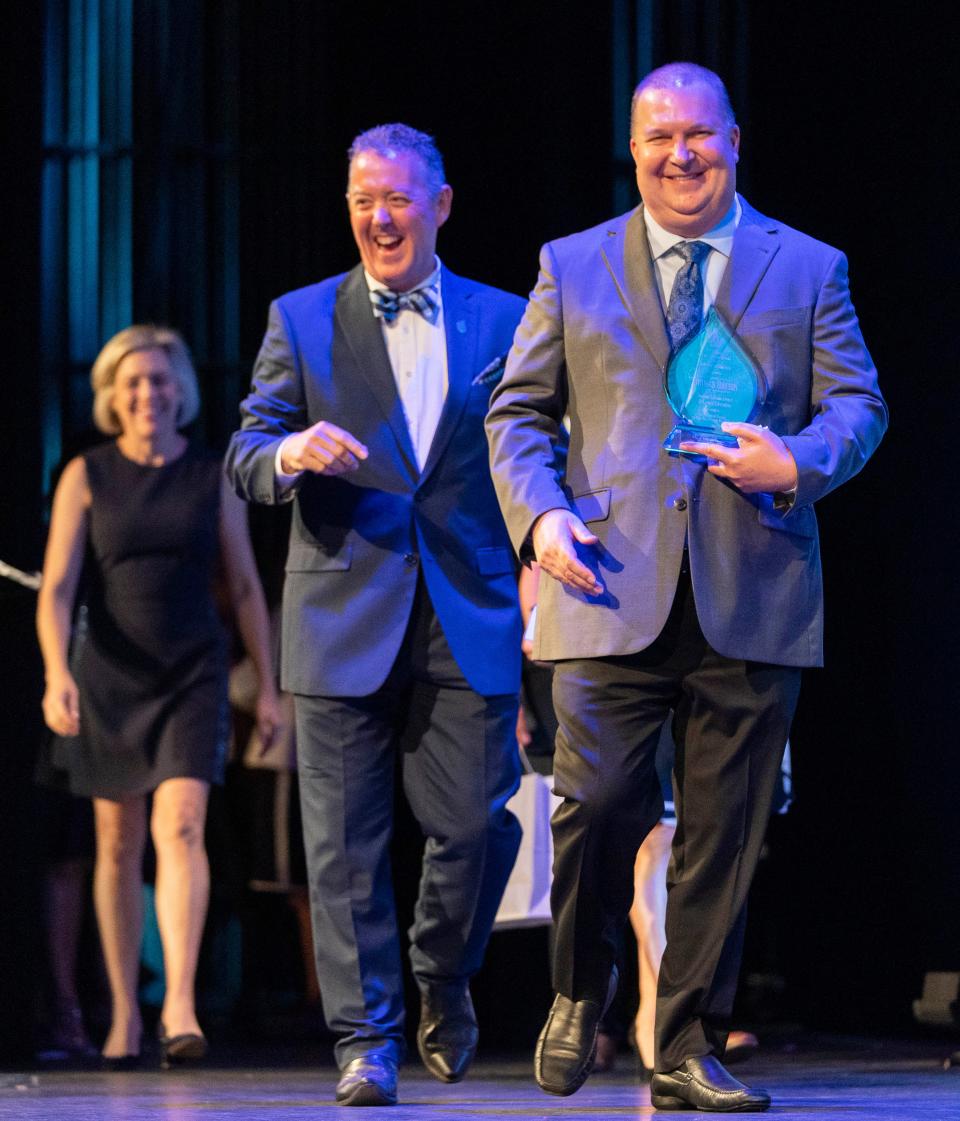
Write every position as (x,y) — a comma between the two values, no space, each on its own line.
(188,1047)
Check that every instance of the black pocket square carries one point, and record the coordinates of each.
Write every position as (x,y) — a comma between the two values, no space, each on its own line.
(492,372)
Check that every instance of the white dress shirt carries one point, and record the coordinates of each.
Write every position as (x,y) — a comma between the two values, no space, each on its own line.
(418,356)
(417,350)
(667,263)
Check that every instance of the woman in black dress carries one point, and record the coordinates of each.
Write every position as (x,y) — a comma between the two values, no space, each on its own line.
(141,707)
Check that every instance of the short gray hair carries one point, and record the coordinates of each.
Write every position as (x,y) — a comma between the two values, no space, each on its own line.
(142,336)
(388,140)
(681,75)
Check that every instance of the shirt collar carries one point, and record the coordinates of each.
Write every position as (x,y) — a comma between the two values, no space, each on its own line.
(432,281)
(661,241)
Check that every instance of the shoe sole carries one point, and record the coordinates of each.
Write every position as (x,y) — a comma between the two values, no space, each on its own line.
(441,1075)
(658,1101)
(190,1050)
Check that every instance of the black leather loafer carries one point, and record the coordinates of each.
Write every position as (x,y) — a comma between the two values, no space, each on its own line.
(447,1035)
(703,1083)
(368,1080)
(567,1046)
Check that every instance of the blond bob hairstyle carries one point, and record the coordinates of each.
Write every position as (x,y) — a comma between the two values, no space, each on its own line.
(142,336)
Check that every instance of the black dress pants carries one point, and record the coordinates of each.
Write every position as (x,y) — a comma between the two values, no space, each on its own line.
(731,723)
(460,766)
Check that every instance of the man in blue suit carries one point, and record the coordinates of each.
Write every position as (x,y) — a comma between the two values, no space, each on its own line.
(401,627)
(690,584)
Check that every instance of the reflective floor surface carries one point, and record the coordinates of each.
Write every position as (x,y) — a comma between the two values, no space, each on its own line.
(829,1080)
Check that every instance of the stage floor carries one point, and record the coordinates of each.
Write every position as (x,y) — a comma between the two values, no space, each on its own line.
(825,1080)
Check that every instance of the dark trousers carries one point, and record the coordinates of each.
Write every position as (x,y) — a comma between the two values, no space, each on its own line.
(731,722)
(459,766)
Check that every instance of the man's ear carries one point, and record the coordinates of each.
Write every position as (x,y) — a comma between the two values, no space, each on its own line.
(443,204)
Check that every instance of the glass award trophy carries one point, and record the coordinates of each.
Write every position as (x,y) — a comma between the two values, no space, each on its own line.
(710,379)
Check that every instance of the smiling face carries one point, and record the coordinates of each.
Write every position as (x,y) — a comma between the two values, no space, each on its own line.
(146,395)
(395,216)
(686,154)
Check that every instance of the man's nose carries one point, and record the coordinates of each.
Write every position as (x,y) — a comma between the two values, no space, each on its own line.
(680,152)
(381,214)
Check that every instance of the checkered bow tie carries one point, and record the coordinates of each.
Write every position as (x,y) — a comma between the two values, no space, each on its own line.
(388,305)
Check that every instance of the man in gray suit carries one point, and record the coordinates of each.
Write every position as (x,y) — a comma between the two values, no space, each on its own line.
(401,625)
(687,581)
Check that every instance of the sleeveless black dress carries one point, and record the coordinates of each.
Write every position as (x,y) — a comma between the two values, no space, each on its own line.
(151,667)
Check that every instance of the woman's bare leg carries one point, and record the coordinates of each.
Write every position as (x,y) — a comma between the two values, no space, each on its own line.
(118,900)
(647,917)
(182,893)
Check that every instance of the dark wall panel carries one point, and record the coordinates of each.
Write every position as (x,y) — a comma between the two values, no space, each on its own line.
(849,114)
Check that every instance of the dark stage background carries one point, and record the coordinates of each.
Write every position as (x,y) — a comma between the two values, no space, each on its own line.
(201,173)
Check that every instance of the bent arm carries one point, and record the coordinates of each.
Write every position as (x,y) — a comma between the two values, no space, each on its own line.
(274,408)
(849,415)
(61,573)
(524,424)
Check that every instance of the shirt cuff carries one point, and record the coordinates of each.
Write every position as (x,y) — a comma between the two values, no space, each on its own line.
(284,481)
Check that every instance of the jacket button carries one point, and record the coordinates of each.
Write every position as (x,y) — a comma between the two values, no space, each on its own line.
(410,559)
(680,504)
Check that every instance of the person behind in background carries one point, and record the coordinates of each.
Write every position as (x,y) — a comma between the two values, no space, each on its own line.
(688,581)
(401,624)
(141,708)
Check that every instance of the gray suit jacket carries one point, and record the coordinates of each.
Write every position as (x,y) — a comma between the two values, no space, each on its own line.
(358,542)
(593,345)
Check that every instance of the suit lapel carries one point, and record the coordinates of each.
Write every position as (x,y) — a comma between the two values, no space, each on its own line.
(755,244)
(627,256)
(460,328)
(362,332)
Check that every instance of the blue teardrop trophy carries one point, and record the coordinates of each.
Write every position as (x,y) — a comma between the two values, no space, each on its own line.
(712,378)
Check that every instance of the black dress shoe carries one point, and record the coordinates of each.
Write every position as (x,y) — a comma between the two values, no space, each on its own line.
(447,1035)
(703,1083)
(567,1046)
(368,1080)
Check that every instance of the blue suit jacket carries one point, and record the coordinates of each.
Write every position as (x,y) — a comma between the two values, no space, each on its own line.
(357,542)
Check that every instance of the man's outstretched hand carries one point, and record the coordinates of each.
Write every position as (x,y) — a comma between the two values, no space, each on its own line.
(554,537)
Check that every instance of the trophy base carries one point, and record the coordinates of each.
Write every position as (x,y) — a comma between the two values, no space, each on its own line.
(693,434)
